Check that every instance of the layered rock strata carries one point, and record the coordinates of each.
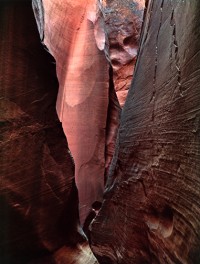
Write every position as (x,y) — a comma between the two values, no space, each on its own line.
(151,211)
(38,197)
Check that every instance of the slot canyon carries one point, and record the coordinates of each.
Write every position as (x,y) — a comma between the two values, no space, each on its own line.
(100,132)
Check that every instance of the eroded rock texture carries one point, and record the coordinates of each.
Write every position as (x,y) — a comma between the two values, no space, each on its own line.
(151,211)
(122,24)
(38,197)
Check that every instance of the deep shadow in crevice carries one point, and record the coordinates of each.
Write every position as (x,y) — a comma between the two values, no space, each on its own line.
(112,123)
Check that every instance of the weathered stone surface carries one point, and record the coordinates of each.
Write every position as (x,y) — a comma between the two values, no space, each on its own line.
(122,25)
(151,211)
(75,39)
(38,197)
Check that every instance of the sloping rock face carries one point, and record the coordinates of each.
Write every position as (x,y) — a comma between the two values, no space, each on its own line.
(151,211)
(38,197)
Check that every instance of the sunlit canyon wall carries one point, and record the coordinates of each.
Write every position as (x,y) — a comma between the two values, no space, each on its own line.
(151,209)
(80,35)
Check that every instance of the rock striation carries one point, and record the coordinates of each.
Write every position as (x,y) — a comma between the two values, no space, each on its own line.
(151,209)
(38,197)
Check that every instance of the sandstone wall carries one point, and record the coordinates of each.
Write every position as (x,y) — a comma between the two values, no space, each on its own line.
(151,211)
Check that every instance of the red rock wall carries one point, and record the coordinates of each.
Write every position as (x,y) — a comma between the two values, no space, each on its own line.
(83,76)
(151,211)
(38,197)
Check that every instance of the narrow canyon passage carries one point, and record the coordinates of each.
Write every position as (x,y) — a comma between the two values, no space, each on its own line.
(80,35)
(99,103)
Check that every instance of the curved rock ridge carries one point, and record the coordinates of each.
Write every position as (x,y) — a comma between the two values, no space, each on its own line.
(151,209)
(38,196)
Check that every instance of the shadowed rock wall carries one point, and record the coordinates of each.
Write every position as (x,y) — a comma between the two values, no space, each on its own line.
(151,211)
(38,197)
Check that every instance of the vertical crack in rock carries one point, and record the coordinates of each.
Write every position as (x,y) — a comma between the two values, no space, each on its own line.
(156,59)
(113,117)
(175,43)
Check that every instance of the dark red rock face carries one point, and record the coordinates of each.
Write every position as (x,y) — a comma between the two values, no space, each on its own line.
(151,211)
(38,197)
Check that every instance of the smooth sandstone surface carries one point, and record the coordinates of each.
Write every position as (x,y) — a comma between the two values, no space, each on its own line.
(38,197)
(151,211)
(76,41)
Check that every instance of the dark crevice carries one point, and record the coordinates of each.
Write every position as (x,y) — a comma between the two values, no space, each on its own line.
(176,51)
(156,61)
(114,110)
